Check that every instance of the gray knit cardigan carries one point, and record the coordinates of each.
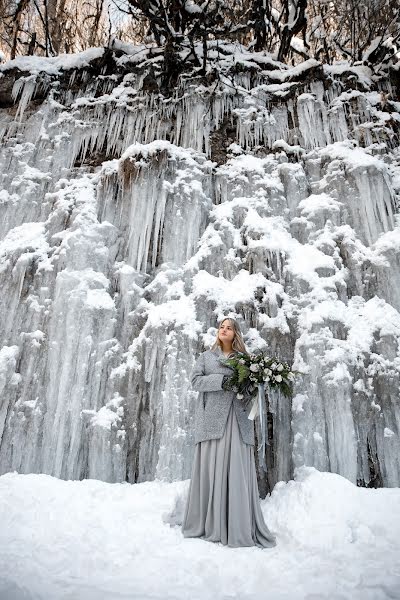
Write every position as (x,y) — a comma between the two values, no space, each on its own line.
(213,403)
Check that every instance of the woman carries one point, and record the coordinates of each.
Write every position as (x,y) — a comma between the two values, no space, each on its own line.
(223,503)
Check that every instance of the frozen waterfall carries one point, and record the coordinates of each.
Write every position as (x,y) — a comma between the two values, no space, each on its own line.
(129,223)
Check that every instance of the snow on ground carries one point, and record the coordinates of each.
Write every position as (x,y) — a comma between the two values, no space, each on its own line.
(84,540)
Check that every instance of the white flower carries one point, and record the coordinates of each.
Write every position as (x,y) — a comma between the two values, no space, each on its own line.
(254,368)
(278,378)
(290,376)
(240,396)
(273,366)
(242,361)
(267,379)
(280,367)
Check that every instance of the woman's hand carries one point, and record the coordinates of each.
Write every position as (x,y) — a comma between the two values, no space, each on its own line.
(226,383)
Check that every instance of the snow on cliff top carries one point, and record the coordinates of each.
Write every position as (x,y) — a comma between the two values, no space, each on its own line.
(236,54)
(55,64)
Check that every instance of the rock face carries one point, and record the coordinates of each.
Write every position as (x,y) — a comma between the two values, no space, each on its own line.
(130,222)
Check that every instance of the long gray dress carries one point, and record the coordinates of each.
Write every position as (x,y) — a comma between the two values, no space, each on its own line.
(223,502)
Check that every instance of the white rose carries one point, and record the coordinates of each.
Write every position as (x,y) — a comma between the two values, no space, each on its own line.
(273,366)
(267,379)
(240,396)
(290,376)
(254,368)
(278,378)
(280,368)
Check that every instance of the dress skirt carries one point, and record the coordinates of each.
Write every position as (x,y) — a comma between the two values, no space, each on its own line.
(223,503)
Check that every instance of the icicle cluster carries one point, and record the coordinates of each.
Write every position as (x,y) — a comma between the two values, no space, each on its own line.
(129,222)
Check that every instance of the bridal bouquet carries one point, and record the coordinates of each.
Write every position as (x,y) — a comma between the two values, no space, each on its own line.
(252,369)
(251,372)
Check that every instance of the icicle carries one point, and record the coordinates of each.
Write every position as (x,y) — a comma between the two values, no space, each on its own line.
(312,123)
(23,88)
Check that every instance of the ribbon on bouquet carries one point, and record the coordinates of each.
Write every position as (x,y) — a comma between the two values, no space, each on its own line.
(258,408)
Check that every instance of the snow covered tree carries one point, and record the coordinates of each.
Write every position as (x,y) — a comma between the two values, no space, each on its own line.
(186,31)
(356,31)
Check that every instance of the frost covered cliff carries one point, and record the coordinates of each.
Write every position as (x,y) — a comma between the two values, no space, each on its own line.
(130,222)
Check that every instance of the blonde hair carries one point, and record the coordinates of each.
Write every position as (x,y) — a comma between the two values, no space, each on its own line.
(238,344)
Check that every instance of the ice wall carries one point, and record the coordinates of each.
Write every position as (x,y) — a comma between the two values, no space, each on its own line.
(130,222)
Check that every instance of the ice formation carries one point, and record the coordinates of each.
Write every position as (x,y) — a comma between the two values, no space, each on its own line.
(128,224)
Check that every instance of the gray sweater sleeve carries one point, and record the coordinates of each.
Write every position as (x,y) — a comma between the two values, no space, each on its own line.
(202,382)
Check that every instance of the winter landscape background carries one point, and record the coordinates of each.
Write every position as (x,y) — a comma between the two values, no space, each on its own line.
(148,188)
(270,194)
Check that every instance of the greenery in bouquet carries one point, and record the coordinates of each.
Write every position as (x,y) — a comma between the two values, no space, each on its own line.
(252,369)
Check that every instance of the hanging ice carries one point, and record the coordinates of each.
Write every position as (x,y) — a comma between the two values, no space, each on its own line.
(129,222)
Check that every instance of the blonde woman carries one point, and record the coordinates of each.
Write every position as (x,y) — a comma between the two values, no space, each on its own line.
(223,502)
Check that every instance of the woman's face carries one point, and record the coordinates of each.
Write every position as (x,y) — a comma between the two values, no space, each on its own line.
(225,332)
